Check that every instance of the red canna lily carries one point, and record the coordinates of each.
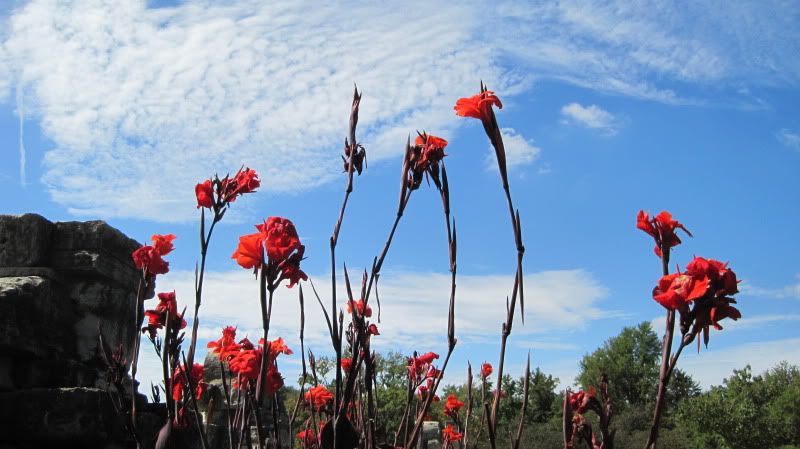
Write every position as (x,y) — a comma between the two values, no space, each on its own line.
(244,181)
(346,364)
(280,238)
(580,400)
(450,434)
(225,347)
(360,308)
(163,243)
(478,106)
(156,318)
(452,405)
(675,291)
(372,329)
(205,194)
(662,228)
(250,252)
(486,370)
(318,397)
(721,279)
(180,382)
(149,257)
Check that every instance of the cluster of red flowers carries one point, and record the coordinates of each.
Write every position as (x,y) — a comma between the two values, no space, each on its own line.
(308,438)
(452,405)
(318,397)
(284,251)
(149,257)
(451,435)
(424,158)
(219,192)
(706,283)
(244,359)
(157,318)
(424,374)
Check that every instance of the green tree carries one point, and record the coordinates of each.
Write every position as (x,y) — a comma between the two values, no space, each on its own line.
(631,362)
(747,411)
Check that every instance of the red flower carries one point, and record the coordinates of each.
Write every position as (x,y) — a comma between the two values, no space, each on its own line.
(675,291)
(580,401)
(276,347)
(662,228)
(427,358)
(157,318)
(432,150)
(721,279)
(478,106)
(180,382)
(318,396)
(450,434)
(346,364)
(452,405)
(274,381)
(205,194)
(250,252)
(372,329)
(280,237)
(244,181)
(307,438)
(225,347)
(361,309)
(246,363)
(163,243)
(290,268)
(486,370)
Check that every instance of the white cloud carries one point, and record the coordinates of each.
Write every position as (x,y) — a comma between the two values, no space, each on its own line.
(788,138)
(787,291)
(140,103)
(414,309)
(591,116)
(519,150)
(711,366)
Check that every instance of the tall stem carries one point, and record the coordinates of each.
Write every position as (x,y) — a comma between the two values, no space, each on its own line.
(665,371)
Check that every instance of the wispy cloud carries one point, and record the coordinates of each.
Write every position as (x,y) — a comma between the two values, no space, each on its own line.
(22,153)
(591,116)
(142,102)
(519,150)
(789,138)
(787,291)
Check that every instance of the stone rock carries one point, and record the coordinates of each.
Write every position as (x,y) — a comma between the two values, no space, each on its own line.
(102,305)
(24,240)
(64,415)
(34,320)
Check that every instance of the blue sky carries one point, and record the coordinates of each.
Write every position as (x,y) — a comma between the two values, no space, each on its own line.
(118,108)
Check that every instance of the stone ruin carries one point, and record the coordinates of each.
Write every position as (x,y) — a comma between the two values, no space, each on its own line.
(59,284)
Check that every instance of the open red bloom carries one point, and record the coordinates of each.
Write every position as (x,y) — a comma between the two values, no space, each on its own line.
(277,347)
(432,150)
(346,364)
(157,318)
(360,307)
(372,329)
(450,434)
(721,279)
(452,405)
(427,358)
(486,370)
(675,291)
(205,194)
(147,257)
(280,238)
(478,106)
(318,396)
(290,268)
(244,181)
(580,400)
(180,382)
(250,252)
(662,228)
(308,438)
(163,243)
(225,347)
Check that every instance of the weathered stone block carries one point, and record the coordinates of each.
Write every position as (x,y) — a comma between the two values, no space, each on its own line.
(59,414)
(107,306)
(24,240)
(34,320)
